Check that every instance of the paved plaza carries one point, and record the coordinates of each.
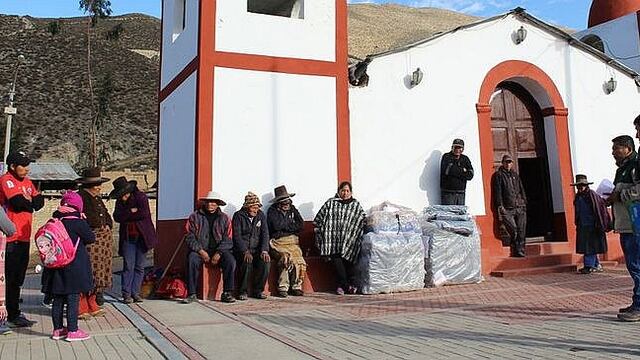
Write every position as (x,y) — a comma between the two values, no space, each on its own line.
(553,316)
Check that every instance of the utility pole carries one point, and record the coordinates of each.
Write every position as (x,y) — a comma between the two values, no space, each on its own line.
(10,111)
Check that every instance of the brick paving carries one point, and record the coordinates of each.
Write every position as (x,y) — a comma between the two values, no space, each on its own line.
(113,336)
(554,316)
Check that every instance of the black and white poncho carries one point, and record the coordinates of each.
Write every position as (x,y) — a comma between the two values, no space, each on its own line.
(339,227)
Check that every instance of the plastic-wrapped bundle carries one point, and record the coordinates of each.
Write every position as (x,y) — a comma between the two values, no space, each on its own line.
(440,212)
(391,218)
(452,258)
(391,263)
(447,209)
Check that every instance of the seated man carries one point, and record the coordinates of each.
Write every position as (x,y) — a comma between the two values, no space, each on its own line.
(285,224)
(209,240)
(251,245)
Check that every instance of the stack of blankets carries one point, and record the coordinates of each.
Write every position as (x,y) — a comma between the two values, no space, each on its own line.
(452,245)
(392,254)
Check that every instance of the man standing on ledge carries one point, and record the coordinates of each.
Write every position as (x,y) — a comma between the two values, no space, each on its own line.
(511,203)
(455,171)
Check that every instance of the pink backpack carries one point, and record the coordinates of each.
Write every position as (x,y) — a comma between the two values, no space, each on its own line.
(54,245)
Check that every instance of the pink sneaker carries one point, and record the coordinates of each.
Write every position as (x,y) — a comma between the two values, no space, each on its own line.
(77,336)
(59,334)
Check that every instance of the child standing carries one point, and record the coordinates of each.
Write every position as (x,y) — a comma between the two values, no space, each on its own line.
(6,229)
(65,284)
(592,223)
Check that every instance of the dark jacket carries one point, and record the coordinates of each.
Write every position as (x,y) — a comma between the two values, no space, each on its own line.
(95,210)
(248,234)
(453,177)
(200,235)
(142,218)
(283,224)
(507,189)
(596,210)
(76,277)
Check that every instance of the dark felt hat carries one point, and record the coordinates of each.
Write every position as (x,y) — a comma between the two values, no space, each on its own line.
(281,194)
(92,175)
(581,180)
(122,186)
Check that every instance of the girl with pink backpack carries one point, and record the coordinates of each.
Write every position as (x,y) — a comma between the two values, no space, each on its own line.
(66,283)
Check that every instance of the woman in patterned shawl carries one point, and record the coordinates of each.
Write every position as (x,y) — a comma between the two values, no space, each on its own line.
(339,226)
(100,252)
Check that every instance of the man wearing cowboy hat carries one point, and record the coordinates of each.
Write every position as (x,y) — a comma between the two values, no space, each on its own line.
(285,223)
(592,222)
(251,245)
(101,251)
(20,198)
(511,203)
(209,241)
(455,171)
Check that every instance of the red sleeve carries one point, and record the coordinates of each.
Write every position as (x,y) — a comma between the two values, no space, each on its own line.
(10,187)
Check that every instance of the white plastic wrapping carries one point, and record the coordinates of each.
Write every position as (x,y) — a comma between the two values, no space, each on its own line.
(391,218)
(453,254)
(391,263)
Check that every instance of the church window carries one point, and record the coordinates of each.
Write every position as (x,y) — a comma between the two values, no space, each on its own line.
(594,41)
(285,8)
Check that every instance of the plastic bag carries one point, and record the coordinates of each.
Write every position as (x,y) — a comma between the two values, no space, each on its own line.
(392,218)
(390,263)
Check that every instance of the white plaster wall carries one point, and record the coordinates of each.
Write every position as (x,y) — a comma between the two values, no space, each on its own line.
(272,129)
(310,38)
(399,134)
(178,53)
(177,152)
(622,39)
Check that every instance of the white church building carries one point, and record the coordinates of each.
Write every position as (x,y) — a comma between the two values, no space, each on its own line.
(254,96)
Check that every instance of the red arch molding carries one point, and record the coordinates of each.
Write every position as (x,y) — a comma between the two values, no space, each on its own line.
(491,246)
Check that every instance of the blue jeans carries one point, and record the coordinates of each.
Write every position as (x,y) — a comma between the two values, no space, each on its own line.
(631,250)
(133,251)
(591,260)
(72,301)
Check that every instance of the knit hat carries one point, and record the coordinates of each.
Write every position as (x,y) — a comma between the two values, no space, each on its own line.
(72,199)
(251,199)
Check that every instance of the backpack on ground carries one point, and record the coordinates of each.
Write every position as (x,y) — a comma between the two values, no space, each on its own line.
(55,247)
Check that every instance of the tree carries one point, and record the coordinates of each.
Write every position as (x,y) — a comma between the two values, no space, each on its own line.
(96,9)
(54,27)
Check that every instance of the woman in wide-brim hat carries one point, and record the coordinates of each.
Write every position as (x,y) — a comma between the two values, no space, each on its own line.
(137,235)
(592,223)
(100,252)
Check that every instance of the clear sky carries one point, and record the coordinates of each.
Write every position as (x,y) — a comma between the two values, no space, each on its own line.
(569,13)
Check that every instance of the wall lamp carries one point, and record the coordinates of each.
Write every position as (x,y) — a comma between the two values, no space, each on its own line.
(520,35)
(610,86)
(416,77)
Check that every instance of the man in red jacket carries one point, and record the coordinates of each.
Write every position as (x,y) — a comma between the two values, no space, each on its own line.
(21,199)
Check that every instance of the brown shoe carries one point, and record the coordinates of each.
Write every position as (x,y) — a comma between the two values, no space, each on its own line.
(85,316)
(297,292)
(626,309)
(631,316)
(282,294)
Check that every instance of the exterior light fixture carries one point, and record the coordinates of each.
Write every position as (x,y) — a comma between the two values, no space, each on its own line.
(520,35)
(416,77)
(610,86)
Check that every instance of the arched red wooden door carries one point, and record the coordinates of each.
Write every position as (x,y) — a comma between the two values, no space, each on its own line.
(517,128)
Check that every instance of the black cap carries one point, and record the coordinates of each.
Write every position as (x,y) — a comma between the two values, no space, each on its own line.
(18,158)
(458,142)
(506,157)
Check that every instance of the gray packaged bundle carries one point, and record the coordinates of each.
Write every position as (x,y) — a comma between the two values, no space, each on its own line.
(452,258)
(391,263)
